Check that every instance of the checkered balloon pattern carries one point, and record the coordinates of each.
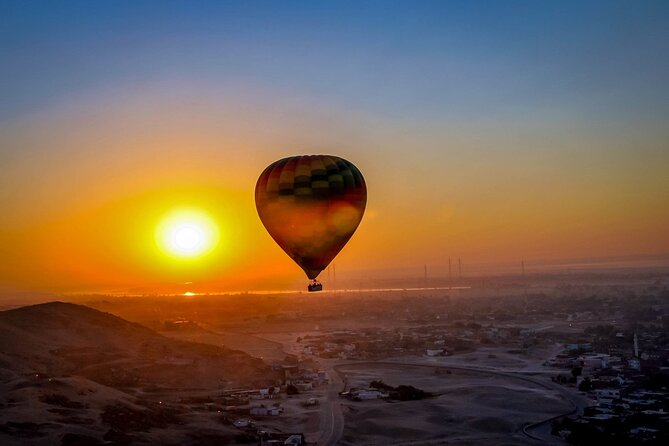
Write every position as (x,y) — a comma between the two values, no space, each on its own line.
(311,205)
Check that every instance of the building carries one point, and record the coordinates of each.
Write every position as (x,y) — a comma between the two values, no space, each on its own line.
(368,394)
(263,410)
(435,352)
(303,385)
(594,361)
(613,394)
(275,439)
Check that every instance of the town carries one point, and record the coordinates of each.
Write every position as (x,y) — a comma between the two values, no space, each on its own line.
(605,343)
(522,359)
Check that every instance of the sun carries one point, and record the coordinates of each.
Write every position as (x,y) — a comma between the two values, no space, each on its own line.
(187,233)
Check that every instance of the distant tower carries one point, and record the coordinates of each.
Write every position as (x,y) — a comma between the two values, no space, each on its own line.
(460,267)
(450,276)
(522,268)
(636,345)
(425,276)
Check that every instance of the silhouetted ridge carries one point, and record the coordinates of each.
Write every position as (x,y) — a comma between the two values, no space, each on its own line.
(59,338)
(70,374)
(53,315)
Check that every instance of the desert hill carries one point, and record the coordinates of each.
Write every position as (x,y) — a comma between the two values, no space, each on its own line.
(70,374)
(62,338)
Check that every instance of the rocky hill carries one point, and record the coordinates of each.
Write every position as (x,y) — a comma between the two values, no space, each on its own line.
(70,374)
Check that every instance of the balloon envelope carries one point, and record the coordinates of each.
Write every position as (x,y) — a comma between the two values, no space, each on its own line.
(311,205)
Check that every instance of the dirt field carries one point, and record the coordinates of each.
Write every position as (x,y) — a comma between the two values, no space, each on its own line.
(471,408)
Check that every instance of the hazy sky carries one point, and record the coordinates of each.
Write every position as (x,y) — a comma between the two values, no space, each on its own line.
(495,131)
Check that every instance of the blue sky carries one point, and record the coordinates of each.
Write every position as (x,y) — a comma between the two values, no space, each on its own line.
(409,59)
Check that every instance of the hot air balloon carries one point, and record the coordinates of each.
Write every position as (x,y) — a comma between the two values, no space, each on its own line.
(311,205)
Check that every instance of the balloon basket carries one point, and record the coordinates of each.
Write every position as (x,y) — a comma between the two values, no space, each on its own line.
(315,286)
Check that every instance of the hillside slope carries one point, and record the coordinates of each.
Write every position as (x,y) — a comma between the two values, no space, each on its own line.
(69,373)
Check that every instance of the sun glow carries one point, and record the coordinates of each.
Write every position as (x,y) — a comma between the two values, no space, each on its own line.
(187,233)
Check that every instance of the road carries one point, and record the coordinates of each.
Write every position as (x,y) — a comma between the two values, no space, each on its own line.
(332,418)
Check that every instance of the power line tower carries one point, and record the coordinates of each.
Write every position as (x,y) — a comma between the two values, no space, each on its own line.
(425,276)
(522,268)
(450,276)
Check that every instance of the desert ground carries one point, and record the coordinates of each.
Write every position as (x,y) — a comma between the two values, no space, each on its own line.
(469,407)
(483,397)
(71,375)
(137,371)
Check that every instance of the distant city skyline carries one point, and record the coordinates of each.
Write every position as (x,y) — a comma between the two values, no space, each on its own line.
(492,131)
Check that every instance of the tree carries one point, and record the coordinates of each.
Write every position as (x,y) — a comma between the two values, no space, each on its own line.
(380,385)
(585,386)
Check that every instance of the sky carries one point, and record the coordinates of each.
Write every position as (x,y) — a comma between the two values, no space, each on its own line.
(491,131)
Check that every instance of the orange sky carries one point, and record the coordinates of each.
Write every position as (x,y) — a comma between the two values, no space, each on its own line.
(494,132)
(82,213)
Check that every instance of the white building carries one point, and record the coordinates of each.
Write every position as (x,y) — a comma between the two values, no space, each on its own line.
(302,384)
(435,352)
(368,394)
